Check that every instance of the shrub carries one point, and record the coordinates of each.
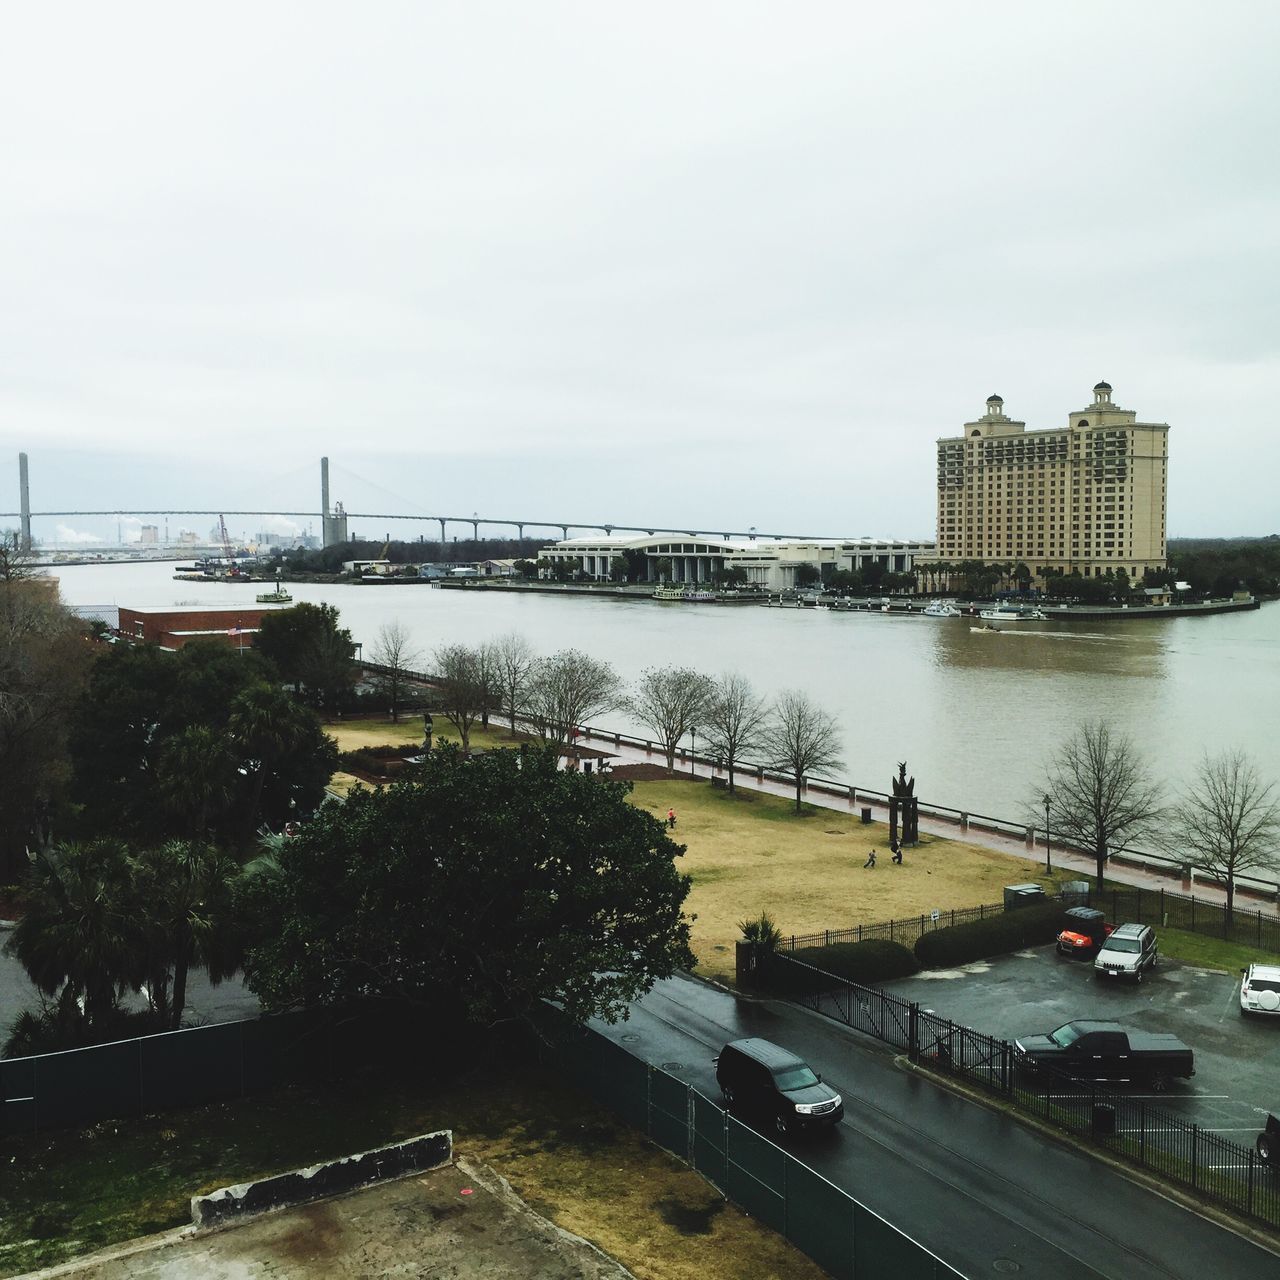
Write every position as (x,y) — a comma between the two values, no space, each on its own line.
(374,762)
(866,963)
(869,962)
(1010,931)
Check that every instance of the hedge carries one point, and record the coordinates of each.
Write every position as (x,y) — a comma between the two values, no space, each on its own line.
(869,962)
(994,936)
(866,963)
(376,762)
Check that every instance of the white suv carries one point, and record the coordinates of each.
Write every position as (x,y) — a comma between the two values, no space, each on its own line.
(1260,989)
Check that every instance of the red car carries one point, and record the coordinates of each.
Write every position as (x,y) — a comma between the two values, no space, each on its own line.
(1086,931)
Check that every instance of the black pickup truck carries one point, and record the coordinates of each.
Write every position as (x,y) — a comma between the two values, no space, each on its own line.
(1107,1051)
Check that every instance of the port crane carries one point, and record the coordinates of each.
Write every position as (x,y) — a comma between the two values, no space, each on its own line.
(232,569)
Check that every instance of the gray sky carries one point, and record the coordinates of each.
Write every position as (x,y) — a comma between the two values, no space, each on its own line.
(718,264)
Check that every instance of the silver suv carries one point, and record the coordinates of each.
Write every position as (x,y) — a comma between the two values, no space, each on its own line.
(1126,953)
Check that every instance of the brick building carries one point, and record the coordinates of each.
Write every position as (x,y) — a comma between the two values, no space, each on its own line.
(172,627)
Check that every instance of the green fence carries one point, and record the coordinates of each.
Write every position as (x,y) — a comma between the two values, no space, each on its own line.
(215,1063)
(840,1234)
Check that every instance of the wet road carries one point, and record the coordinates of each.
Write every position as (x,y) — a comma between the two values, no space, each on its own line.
(971,1185)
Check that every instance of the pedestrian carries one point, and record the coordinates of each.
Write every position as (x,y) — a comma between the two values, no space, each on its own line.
(871,860)
(897,853)
(671,819)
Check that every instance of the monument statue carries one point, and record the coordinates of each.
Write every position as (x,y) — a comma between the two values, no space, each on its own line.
(903,801)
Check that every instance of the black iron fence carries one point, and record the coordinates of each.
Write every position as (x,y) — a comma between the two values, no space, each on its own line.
(1151,1136)
(1160,907)
(838,1232)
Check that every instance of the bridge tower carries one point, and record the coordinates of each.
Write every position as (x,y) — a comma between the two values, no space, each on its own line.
(333,526)
(24,497)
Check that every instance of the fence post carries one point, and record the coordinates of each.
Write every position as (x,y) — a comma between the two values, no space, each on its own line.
(1142,1131)
(1249,1195)
(1195,1156)
(1193,913)
(913,1031)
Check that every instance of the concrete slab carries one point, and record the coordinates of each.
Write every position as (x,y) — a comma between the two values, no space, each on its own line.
(462,1222)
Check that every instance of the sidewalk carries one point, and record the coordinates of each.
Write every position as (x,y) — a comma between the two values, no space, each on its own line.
(1063,859)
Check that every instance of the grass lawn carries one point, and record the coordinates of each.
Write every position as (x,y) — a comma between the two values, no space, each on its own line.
(379,731)
(749,853)
(70,1193)
(1210,953)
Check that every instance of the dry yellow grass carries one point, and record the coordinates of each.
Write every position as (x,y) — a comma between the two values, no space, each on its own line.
(599,1179)
(353,734)
(750,853)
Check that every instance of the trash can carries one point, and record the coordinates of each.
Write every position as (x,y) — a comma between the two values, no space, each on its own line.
(866,816)
(1104,1121)
(1022,895)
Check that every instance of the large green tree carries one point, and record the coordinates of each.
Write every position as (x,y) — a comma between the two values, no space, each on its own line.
(194,744)
(45,655)
(479,888)
(310,651)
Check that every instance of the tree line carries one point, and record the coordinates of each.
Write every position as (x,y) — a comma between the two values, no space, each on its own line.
(1100,793)
(558,694)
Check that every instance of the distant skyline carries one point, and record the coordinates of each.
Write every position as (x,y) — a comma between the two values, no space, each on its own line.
(701,263)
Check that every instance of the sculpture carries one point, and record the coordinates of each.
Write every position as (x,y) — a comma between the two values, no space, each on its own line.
(903,800)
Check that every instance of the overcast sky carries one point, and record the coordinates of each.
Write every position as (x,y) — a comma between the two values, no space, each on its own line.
(708,264)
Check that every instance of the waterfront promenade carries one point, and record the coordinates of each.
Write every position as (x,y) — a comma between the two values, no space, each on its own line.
(1003,842)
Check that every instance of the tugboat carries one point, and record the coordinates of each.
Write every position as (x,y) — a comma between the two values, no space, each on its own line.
(278,596)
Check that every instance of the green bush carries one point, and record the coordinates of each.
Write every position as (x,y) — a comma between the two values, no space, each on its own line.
(995,936)
(866,963)
(376,762)
(869,962)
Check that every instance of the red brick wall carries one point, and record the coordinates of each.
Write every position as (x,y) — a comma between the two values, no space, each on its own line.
(158,628)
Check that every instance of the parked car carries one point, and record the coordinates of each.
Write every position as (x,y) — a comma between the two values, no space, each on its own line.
(1268,1143)
(1260,989)
(1127,952)
(762,1079)
(1086,931)
(1107,1051)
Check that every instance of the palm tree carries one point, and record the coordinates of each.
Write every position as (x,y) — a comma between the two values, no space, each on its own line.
(267,724)
(78,940)
(185,908)
(196,772)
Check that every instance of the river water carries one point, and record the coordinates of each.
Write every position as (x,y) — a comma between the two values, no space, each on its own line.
(973,713)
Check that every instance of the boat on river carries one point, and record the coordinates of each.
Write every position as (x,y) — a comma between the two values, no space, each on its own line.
(684,595)
(941,609)
(1013,613)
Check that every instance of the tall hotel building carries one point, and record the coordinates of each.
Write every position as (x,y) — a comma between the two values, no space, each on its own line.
(1081,499)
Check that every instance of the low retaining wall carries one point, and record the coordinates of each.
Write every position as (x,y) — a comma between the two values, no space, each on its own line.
(430,1151)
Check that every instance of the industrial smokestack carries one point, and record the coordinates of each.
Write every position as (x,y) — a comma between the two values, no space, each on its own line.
(24,490)
(324,486)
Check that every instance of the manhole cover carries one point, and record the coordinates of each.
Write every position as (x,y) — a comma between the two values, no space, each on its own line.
(1006,1266)
(673,1066)
(630,1038)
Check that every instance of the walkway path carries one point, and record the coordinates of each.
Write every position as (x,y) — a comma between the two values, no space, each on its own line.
(1015,846)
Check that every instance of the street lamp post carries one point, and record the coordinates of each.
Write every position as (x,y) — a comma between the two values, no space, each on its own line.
(1048,848)
(693,751)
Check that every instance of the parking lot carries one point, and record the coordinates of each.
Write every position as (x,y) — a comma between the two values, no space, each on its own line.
(1237,1078)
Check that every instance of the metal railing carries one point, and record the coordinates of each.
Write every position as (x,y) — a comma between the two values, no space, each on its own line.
(1154,1137)
(1163,908)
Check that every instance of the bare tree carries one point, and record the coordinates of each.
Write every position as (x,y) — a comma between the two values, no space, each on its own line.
(1100,792)
(567,689)
(670,701)
(489,679)
(458,689)
(515,661)
(802,737)
(393,650)
(16,562)
(1230,819)
(736,719)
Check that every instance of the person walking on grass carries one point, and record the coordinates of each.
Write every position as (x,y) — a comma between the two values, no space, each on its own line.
(871,860)
(671,819)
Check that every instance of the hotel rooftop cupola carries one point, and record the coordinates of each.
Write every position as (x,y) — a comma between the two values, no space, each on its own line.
(995,407)
(1102,394)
